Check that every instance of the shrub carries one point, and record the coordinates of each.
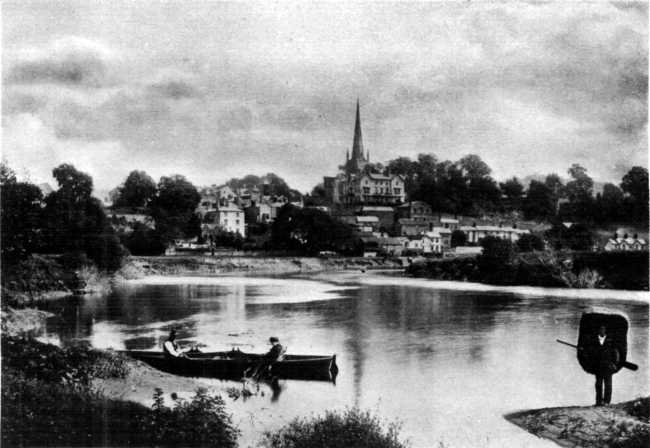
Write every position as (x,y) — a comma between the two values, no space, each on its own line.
(203,421)
(628,435)
(74,365)
(42,413)
(350,428)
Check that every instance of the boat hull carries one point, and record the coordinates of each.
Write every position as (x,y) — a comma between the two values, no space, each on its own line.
(233,364)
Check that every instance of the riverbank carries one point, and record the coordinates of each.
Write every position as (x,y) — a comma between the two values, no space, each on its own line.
(139,267)
(576,270)
(621,425)
(49,277)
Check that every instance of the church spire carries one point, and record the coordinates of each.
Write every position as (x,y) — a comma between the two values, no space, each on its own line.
(357,145)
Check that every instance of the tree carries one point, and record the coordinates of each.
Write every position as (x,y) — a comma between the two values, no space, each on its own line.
(496,261)
(539,202)
(138,189)
(609,204)
(635,185)
(474,167)
(580,194)
(407,168)
(458,238)
(20,211)
(512,188)
(575,237)
(530,242)
(74,221)
(310,231)
(173,208)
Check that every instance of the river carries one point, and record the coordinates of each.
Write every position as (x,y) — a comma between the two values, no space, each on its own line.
(446,360)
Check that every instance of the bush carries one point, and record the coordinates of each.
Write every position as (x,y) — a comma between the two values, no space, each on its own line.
(628,435)
(74,365)
(47,400)
(203,421)
(496,261)
(350,428)
(144,241)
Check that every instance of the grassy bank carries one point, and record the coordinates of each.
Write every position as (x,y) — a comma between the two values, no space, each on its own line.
(613,270)
(624,425)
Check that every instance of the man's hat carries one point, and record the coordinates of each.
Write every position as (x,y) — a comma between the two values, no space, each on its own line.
(273,339)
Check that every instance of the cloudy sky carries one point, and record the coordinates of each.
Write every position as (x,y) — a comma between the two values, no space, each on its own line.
(214,90)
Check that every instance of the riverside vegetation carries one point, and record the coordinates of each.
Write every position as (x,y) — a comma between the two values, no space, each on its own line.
(48,398)
(501,264)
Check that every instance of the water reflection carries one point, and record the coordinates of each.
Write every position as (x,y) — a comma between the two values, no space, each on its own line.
(447,363)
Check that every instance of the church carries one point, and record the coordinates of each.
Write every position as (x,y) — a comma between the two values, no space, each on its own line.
(360,182)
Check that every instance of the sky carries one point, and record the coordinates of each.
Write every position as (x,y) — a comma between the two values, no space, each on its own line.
(216,90)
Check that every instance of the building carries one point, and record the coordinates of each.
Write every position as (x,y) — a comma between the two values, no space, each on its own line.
(227,217)
(361,182)
(415,210)
(394,246)
(626,243)
(476,233)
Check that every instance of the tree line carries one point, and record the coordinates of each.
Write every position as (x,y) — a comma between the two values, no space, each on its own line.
(466,187)
(71,221)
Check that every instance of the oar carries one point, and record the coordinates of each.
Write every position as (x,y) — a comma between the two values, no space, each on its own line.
(627,365)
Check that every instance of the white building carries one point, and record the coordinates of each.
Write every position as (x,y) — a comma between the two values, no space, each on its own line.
(229,218)
(476,233)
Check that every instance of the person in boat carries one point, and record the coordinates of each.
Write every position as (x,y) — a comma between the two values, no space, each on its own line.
(172,349)
(607,358)
(275,354)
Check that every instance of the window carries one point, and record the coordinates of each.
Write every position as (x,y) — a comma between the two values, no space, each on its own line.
(366,190)
(237,222)
(397,191)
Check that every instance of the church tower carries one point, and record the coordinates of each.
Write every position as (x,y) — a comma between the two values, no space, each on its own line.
(358,160)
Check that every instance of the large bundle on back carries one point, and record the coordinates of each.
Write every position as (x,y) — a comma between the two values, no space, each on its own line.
(616,325)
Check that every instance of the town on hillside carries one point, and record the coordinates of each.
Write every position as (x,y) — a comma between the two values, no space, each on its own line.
(388,215)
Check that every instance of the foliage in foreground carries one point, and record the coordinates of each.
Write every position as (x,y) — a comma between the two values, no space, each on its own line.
(76,365)
(349,428)
(628,435)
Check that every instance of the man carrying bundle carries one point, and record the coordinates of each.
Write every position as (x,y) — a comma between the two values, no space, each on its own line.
(606,358)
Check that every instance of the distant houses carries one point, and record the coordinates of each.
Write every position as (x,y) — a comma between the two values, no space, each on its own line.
(476,233)
(626,243)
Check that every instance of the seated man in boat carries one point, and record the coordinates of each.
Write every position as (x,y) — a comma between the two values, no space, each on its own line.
(171,348)
(607,358)
(275,354)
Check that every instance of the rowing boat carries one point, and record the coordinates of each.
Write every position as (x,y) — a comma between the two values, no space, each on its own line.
(232,364)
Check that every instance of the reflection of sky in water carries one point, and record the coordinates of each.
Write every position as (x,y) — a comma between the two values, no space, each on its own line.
(449,364)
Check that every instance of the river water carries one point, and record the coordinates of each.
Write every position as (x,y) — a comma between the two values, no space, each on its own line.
(448,363)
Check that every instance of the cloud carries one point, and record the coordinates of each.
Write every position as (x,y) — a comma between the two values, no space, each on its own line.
(33,150)
(70,60)
(519,84)
(175,84)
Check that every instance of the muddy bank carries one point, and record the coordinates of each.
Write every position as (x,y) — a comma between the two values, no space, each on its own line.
(624,424)
(138,267)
